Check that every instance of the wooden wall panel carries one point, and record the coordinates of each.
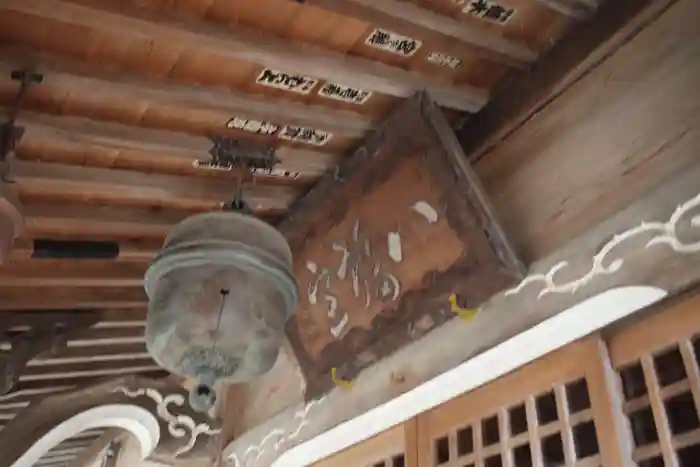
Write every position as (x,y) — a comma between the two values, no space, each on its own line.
(637,115)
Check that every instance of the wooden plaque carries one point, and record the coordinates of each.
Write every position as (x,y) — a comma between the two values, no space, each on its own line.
(381,244)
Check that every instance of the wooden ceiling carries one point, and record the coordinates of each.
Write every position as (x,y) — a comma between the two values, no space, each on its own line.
(132,92)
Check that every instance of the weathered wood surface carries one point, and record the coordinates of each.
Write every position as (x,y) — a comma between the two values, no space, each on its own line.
(245,44)
(578,167)
(382,244)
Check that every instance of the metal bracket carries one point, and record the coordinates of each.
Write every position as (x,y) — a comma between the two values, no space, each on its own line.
(228,153)
(9,133)
(238,205)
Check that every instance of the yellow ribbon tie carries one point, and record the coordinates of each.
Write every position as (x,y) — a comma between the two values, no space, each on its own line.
(466,314)
(340,382)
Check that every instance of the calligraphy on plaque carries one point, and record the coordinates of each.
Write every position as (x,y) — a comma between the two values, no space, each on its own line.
(383,243)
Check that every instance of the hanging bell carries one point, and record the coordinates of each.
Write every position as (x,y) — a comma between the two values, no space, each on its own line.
(11,219)
(220,292)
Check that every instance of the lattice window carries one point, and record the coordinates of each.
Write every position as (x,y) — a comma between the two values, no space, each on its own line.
(656,360)
(551,428)
(398,460)
(662,403)
(542,415)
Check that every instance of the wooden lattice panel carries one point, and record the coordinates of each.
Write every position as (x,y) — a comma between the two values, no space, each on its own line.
(657,364)
(553,412)
(554,427)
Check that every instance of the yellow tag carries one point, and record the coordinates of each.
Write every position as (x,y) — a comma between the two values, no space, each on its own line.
(340,382)
(465,313)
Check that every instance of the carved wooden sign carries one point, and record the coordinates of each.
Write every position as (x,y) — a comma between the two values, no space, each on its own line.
(383,243)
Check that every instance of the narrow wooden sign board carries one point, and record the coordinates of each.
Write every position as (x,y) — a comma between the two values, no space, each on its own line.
(382,243)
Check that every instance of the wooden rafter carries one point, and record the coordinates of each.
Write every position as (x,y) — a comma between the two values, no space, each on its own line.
(129,249)
(72,183)
(62,74)
(414,21)
(15,298)
(68,139)
(52,273)
(246,45)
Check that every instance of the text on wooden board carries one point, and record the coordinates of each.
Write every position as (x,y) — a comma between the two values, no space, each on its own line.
(344,93)
(392,42)
(253,126)
(289,82)
(369,278)
(273,172)
(443,60)
(305,135)
(487,9)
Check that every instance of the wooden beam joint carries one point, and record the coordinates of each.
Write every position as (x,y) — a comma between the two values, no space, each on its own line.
(10,134)
(26,345)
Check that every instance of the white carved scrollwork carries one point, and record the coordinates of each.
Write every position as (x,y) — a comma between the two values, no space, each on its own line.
(179,426)
(277,437)
(665,233)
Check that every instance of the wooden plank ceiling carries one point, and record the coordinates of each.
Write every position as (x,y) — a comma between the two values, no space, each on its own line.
(133,90)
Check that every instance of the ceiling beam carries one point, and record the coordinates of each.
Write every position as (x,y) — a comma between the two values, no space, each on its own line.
(36,298)
(71,383)
(24,319)
(83,336)
(64,74)
(68,273)
(118,351)
(68,139)
(420,23)
(60,182)
(29,394)
(35,373)
(101,222)
(129,250)
(247,45)
(88,370)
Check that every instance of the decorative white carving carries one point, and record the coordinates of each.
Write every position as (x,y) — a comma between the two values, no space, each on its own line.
(666,233)
(277,436)
(179,426)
